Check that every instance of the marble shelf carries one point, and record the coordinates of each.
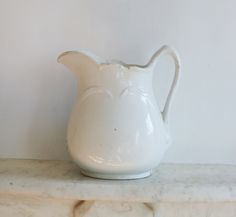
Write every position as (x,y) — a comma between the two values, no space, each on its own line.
(169,184)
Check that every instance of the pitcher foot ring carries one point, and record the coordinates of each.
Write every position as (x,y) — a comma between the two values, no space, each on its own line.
(116,176)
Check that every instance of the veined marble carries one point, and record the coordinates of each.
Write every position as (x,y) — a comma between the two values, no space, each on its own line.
(56,188)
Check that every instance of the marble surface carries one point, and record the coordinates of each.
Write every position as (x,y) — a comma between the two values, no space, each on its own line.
(169,183)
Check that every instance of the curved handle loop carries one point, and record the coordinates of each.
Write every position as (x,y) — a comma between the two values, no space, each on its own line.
(175,57)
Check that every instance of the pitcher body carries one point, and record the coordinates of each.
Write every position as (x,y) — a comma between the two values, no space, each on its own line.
(116,130)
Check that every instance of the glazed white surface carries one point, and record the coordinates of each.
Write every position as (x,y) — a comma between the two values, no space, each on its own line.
(116,129)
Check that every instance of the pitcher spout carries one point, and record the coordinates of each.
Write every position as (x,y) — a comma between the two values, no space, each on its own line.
(78,61)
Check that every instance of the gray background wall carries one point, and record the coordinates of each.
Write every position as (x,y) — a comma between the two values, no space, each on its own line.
(36,93)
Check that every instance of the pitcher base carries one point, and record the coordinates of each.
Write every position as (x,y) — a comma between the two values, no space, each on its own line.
(116,176)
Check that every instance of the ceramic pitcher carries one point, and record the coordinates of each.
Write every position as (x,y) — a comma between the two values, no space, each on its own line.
(116,130)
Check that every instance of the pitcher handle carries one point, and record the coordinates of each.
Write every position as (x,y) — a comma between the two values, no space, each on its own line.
(166,49)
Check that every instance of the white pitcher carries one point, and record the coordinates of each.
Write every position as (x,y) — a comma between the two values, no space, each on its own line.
(116,130)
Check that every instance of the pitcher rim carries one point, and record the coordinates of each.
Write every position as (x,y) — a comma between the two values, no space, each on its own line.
(100,61)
